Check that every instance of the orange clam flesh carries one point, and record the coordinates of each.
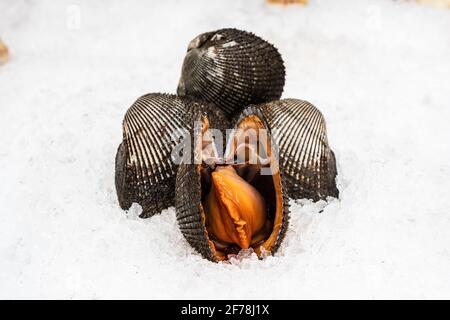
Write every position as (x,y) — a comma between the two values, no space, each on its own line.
(242,206)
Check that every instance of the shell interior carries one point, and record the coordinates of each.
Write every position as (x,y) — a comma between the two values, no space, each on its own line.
(241,194)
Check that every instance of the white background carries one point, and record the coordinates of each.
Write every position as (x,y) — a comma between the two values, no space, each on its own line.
(378,70)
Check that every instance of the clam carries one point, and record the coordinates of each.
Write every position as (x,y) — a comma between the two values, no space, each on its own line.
(232,69)
(225,204)
(234,198)
(307,161)
(145,172)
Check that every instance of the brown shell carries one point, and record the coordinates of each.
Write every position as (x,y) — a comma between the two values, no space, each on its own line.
(232,69)
(308,163)
(188,198)
(145,172)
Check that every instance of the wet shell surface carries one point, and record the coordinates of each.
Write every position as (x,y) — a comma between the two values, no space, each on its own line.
(229,205)
(145,172)
(232,69)
(307,162)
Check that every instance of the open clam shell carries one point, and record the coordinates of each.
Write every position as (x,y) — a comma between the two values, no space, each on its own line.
(235,202)
(145,170)
(232,69)
(307,162)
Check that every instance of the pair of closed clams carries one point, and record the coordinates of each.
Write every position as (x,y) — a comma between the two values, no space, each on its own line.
(235,194)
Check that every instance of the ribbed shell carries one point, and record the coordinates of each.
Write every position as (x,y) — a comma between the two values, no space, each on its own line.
(188,202)
(307,162)
(145,172)
(4,53)
(232,69)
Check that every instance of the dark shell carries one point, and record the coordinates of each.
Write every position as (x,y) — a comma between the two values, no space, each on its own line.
(4,53)
(188,198)
(308,163)
(232,69)
(145,172)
